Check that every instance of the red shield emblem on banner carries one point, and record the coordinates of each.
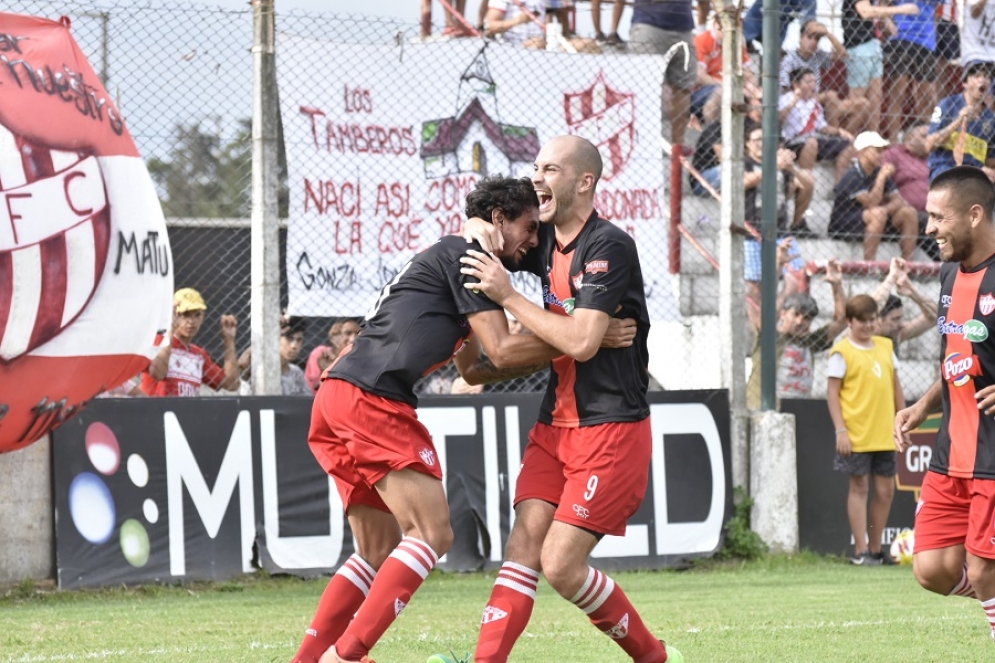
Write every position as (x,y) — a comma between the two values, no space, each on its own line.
(606,117)
(54,234)
(986,304)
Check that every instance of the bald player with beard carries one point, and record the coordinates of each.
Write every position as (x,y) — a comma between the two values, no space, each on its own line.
(586,466)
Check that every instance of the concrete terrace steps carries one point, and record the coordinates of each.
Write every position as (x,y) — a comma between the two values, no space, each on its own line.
(698,287)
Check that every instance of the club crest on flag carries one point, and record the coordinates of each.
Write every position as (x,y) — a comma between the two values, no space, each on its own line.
(606,117)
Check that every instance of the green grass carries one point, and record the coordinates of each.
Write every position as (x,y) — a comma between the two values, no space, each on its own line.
(800,610)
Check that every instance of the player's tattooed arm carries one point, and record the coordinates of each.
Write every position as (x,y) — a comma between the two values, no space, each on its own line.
(483,371)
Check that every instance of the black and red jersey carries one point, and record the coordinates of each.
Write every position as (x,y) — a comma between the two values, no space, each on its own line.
(599,269)
(416,325)
(965,445)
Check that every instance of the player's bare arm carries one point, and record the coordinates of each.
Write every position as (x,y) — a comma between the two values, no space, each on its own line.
(910,418)
(578,335)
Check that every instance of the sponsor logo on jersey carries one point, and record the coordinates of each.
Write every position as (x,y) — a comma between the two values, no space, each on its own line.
(986,304)
(427,457)
(313,633)
(620,630)
(549,297)
(578,281)
(569,306)
(949,326)
(582,511)
(945,301)
(492,614)
(596,267)
(975,331)
(958,368)
(399,607)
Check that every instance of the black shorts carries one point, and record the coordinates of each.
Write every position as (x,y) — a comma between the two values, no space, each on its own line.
(878,463)
(903,58)
(830,147)
(947,40)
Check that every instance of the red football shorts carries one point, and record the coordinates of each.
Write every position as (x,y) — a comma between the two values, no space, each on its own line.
(953,511)
(596,475)
(359,437)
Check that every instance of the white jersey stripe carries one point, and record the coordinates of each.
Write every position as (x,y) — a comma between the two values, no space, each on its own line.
(24,303)
(80,258)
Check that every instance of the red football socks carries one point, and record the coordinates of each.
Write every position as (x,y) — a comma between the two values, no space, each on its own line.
(507,613)
(339,602)
(610,610)
(399,577)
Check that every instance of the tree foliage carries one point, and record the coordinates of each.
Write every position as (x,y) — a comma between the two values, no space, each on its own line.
(206,177)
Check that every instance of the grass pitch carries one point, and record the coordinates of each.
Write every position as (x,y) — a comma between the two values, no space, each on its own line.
(799,610)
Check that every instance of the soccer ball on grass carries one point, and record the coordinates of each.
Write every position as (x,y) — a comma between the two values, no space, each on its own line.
(902,546)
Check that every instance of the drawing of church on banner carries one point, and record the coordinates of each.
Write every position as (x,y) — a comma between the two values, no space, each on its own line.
(607,118)
(474,140)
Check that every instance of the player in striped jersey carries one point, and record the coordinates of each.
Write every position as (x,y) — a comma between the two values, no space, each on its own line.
(585,469)
(955,517)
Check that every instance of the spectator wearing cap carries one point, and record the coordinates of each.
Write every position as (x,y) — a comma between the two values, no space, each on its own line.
(292,380)
(341,333)
(796,343)
(852,112)
(804,127)
(962,130)
(181,367)
(868,204)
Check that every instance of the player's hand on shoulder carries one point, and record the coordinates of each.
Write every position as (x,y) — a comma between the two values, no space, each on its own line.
(485,234)
(492,279)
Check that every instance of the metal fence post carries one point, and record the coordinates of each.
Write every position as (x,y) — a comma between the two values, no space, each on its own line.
(265,253)
(732,310)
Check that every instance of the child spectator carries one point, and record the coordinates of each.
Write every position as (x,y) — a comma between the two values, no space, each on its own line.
(796,343)
(180,367)
(804,127)
(851,112)
(867,202)
(863,395)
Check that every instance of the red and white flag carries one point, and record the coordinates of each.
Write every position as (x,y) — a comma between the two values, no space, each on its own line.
(85,266)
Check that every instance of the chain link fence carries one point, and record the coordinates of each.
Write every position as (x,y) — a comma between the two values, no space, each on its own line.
(182,76)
